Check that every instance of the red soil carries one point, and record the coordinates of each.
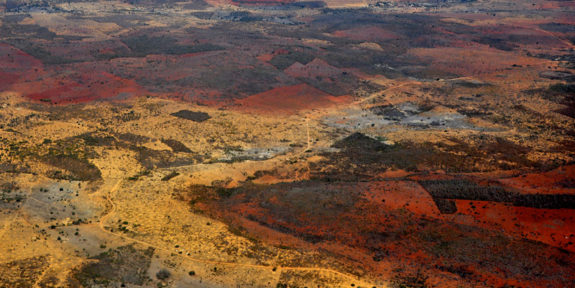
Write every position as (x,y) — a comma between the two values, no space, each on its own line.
(558,181)
(83,88)
(265,57)
(313,69)
(14,65)
(476,61)
(402,194)
(555,227)
(290,100)
(15,60)
(6,80)
(27,75)
(552,5)
(372,224)
(261,2)
(268,57)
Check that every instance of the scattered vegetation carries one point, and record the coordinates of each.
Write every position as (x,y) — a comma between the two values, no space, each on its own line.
(142,45)
(142,173)
(124,264)
(283,61)
(176,146)
(467,190)
(170,176)
(23,272)
(128,116)
(417,280)
(192,115)
(163,274)
(362,157)
(133,138)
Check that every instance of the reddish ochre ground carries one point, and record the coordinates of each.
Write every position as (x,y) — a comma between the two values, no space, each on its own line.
(383,210)
(490,85)
(16,60)
(313,69)
(261,2)
(552,226)
(85,88)
(289,100)
(15,64)
(7,79)
(557,181)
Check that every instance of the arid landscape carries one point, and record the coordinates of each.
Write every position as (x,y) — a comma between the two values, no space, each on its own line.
(283,143)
